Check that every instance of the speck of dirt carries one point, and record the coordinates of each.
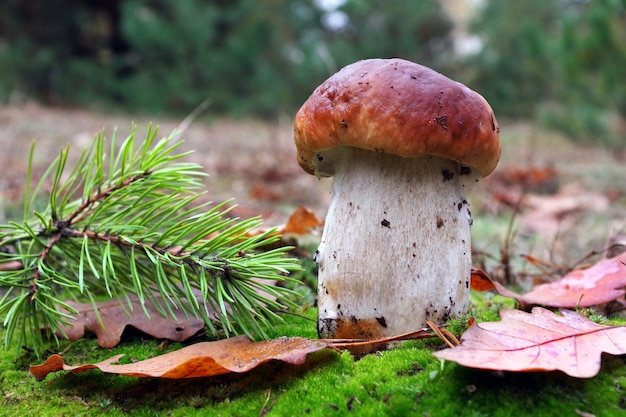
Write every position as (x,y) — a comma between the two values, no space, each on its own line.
(465,170)
(447,175)
(442,121)
(350,404)
(415,369)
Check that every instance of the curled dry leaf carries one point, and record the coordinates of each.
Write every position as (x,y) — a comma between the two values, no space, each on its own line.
(113,319)
(600,283)
(481,281)
(549,214)
(301,222)
(538,341)
(10,266)
(237,354)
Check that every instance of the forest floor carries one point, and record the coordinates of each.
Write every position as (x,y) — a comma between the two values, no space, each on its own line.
(549,198)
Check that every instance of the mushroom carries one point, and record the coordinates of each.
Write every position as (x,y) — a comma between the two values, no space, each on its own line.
(404,144)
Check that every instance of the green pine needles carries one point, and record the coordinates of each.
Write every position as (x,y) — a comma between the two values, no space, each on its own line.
(134,225)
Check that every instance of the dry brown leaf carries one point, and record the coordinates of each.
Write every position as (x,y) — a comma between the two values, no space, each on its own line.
(509,185)
(600,283)
(10,266)
(538,341)
(114,320)
(237,354)
(534,179)
(548,214)
(301,222)
(481,281)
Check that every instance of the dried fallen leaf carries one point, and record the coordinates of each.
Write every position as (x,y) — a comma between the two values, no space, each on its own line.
(548,214)
(237,354)
(538,341)
(114,319)
(528,179)
(10,266)
(481,281)
(601,283)
(510,186)
(301,222)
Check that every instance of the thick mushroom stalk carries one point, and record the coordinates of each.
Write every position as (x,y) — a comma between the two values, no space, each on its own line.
(395,250)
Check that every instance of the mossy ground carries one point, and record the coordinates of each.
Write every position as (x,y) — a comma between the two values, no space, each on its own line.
(404,381)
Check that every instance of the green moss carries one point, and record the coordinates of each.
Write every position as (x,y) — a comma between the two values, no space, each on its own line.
(404,381)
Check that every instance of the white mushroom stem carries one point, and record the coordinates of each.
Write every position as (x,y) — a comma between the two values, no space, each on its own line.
(396,249)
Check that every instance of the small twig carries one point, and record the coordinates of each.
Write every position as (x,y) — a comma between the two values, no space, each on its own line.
(585,259)
(344,343)
(265,408)
(545,267)
(79,214)
(44,255)
(444,334)
(121,242)
(187,121)
(450,336)
(82,211)
(505,250)
(67,348)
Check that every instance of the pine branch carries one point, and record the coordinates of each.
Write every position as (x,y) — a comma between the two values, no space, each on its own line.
(137,227)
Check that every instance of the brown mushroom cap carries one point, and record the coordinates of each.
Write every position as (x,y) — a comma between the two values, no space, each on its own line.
(399,107)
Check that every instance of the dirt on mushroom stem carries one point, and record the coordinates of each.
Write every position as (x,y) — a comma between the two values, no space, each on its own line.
(395,250)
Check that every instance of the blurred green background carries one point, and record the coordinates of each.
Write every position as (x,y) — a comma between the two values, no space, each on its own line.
(559,63)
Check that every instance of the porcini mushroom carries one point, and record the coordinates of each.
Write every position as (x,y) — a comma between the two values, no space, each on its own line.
(404,144)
